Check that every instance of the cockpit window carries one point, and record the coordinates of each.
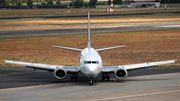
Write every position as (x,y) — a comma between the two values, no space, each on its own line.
(88,62)
(91,62)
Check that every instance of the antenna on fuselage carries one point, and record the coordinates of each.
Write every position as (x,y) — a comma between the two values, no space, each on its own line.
(89,39)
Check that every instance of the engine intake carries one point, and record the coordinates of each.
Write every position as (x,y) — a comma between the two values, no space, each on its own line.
(60,73)
(121,73)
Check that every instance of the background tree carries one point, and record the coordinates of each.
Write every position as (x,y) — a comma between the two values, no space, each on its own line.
(77,4)
(13,2)
(92,3)
(163,1)
(50,2)
(30,4)
(86,5)
(115,2)
(58,2)
(3,3)
(18,2)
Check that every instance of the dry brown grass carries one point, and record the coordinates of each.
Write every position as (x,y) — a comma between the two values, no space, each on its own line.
(79,23)
(142,46)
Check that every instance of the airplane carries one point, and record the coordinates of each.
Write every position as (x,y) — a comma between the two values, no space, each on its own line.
(91,64)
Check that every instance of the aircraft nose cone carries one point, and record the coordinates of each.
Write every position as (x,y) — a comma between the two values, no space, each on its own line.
(91,69)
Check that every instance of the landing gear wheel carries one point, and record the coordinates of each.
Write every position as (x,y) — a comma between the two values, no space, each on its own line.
(108,78)
(103,77)
(74,77)
(91,82)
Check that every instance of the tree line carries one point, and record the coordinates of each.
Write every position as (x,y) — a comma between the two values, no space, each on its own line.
(74,3)
(29,3)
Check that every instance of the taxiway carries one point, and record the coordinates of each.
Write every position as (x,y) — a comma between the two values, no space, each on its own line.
(118,27)
(163,87)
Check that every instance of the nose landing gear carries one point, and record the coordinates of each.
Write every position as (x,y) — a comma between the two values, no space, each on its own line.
(91,81)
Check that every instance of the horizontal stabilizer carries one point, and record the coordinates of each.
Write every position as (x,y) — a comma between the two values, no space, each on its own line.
(68,48)
(108,48)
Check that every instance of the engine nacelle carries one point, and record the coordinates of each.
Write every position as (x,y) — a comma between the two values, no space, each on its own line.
(121,73)
(60,73)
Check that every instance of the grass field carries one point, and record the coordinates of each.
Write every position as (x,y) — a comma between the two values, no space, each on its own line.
(142,46)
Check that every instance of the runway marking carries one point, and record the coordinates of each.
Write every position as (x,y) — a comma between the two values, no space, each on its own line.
(115,26)
(138,95)
(169,26)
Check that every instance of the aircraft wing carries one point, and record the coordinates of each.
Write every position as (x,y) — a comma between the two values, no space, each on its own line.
(147,64)
(136,66)
(48,67)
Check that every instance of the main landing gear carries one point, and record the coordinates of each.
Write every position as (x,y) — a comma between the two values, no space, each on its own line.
(91,81)
(105,76)
(74,77)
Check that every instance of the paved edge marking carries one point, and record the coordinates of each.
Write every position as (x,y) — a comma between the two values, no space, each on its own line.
(138,95)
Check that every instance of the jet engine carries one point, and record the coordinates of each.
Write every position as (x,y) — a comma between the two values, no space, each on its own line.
(121,73)
(60,73)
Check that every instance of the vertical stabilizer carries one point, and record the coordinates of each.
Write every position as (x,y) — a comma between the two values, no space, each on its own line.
(89,39)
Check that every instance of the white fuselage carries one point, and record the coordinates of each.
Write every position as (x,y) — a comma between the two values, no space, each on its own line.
(90,63)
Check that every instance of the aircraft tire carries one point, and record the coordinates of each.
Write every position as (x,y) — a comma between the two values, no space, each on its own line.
(72,78)
(103,78)
(108,78)
(76,78)
(91,82)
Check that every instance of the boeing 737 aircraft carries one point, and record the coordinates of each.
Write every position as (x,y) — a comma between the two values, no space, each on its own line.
(91,64)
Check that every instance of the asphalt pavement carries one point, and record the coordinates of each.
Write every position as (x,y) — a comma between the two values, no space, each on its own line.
(101,29)
(21,77)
